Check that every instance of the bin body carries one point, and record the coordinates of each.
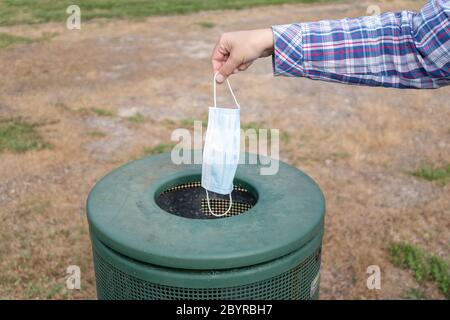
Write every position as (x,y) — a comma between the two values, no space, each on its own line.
(269,248)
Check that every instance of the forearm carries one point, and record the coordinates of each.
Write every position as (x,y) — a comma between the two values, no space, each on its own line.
(403,50)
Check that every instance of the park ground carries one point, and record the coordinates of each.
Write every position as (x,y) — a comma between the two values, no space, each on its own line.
(75,104)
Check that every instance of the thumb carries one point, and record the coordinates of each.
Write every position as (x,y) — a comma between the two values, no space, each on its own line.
(227,69)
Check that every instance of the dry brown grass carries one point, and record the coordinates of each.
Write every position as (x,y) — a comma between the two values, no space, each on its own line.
(359,143)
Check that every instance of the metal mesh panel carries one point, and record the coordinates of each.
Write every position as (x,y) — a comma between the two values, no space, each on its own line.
(294,284)
(189,200)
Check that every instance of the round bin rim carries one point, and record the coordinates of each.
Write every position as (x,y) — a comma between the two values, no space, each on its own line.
(206,278)
(123,215)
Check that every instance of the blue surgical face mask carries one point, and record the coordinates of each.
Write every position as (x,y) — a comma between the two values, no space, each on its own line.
(222,149)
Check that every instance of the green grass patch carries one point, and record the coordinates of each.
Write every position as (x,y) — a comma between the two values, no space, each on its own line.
(285,137)
(255,126)
(414,294)
(252,125)
(28,11)
(187,123)
(424,266)
(258,127)
(157,149)
(206,24)
(137,118)
(190,123)
(55,289)
(431,173)
(19,136)
(6,40)
(103,112)
(32,291)
(96,134)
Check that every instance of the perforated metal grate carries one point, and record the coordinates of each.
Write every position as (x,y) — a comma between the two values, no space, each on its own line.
(189,200)
(294,284)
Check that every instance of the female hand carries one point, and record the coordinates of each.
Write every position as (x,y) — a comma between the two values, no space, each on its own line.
(235,51)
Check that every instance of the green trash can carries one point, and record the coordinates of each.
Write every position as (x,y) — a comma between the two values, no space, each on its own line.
(153,237)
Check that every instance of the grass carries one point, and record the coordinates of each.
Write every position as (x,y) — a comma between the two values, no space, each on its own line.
(55,289)
(424,266)
(284,137)
(103,112)
(157,149)
(415,294)
(7,40)
(257,127)
(96,134)
(137,118)
(206,24)
(430,173)
(252,125)
(20,136)
(27,11)
(190,123)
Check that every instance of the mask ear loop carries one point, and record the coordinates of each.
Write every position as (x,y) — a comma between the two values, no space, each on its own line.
(215,106)
(218,214)
(229,87)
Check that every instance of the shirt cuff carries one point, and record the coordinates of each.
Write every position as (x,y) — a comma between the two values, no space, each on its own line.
(287,58)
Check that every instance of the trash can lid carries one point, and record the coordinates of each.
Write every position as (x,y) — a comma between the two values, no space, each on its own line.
(123,215)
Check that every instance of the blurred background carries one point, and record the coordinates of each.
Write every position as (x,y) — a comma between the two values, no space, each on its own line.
(75,104)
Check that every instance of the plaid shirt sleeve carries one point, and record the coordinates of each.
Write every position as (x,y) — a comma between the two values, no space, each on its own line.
(400,50)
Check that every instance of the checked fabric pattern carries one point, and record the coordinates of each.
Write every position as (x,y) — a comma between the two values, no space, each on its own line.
(401,50)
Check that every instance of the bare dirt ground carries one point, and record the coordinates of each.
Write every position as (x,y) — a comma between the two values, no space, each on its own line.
(358,143)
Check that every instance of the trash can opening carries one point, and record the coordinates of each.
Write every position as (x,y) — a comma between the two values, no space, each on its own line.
(186,198)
